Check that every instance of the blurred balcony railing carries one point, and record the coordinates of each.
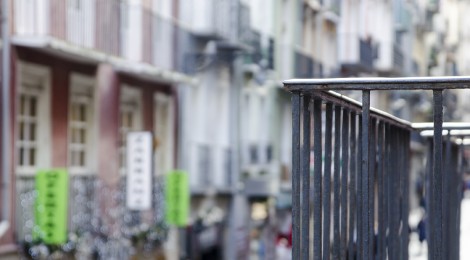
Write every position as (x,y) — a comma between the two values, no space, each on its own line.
(213,167)
(304,65)
(111,27)
(397,57)
(366,54)
(211,19)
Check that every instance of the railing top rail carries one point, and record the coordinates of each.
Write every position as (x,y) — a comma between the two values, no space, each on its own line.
(377,83)
(445,125)
(342,100)
(453,133)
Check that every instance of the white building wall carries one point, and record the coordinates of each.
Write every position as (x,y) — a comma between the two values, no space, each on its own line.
(382,29)
(349,31)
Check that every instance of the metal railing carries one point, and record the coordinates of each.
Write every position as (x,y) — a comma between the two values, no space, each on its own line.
(453,157)
(370,167)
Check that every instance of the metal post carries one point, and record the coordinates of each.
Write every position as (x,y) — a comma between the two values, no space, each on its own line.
(296,176)
(317,203)
(327,181)
(365,174)
(344,182)
(436,180)
(371,217)
(336,183)
(6,155)
(380,196)
(352,186)
(445,198)
(305,171)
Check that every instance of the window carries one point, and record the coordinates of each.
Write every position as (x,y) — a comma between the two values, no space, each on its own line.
(28,120)
(33,140)
(33,136)
(130,119)
(81,125)
(164,133)
(81,145)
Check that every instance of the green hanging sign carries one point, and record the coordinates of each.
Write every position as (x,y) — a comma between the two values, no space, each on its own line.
(50,213)
(177,198)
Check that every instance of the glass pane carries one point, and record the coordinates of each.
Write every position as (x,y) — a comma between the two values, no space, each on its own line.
(73,112)
(82,135)
(123,119)
(21,156)
(32,156)
(82,158)
(32,132)
(32,106)
(22,130)
(130,123)
(82,113)
(73,158)
(22,104)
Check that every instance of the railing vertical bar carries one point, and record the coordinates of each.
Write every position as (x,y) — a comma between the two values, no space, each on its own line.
(359,195)
(387,191)
(372,154)
(445,198)
(352,186)
(407,191)
(296,176)
(404,188)
(380,193)
(453,202)
(317,214)
(437,177)
(365,173)
(429,198)
(305,170)
(344,182)
(401,199)
(394,196)
(327,181)
(336,197)
(459,179)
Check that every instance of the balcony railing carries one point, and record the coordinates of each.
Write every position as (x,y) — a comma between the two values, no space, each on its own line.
(111,27)
(369,165)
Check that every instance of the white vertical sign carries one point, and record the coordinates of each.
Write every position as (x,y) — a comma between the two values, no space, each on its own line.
(139,170)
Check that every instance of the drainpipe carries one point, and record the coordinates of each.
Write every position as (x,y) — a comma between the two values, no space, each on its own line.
(5,178)
(237,218)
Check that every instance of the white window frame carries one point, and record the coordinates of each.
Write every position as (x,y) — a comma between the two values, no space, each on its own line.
(130,96)
(164,153)
(84,85)
(32,73)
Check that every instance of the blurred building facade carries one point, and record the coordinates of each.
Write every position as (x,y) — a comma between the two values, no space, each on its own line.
(205,77)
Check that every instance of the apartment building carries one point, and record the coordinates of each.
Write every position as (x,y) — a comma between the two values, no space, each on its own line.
(84,74)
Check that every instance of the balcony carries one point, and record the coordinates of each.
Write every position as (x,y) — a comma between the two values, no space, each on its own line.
(211,19)
(357,55)
(94,30)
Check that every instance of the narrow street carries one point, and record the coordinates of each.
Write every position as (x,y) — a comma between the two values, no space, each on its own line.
(417,253)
